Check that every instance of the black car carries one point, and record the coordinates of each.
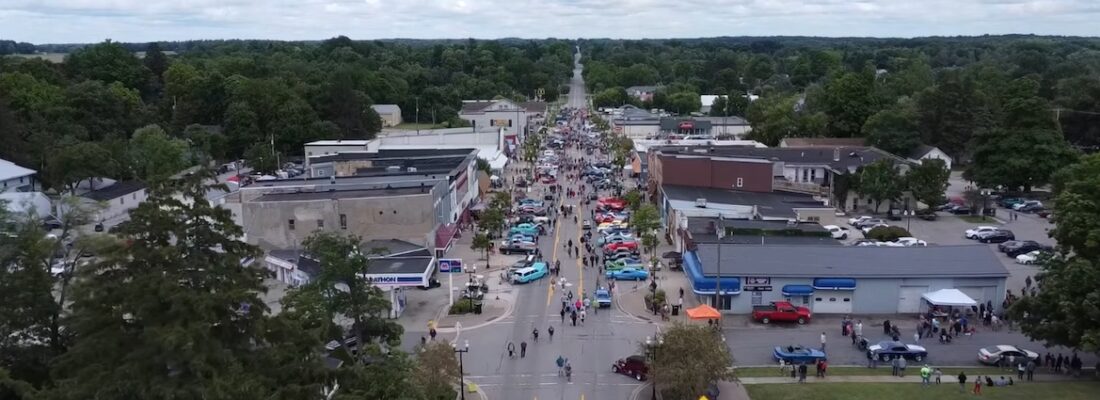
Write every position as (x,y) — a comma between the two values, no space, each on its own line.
(1004,247)
(960,210)
(997,236)
(1027,246)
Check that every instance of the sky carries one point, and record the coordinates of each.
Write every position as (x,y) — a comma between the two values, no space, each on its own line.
(85,21)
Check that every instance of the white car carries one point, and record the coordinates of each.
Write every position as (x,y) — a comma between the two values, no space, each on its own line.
(836,231)
(992,354)
(974,232)
(867,229)
(910,241)
(1029,257)
(1020,205)
(856,220)
(541,219)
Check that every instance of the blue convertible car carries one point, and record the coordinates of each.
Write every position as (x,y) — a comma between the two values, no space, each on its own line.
(628,274)
(798,354)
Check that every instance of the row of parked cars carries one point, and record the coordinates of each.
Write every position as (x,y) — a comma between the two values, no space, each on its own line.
(620,247)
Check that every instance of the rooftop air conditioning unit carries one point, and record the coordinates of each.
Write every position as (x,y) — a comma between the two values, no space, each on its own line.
(701,202)
(412,169)
(393,168)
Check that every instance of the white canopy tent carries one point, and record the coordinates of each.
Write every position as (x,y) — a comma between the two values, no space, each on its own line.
(949,297)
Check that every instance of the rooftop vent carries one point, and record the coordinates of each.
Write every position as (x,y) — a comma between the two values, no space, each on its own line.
(701,202)
(393,168)
(412,169)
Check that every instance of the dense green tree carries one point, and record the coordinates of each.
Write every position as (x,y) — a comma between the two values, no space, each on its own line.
(848,102)
(107,62)
(774,118)
(611,97)
(950,112)
(262,157)
(1065,308)
(30,96)
(880,182)
(172,313)
(155,156)
(103,110)
(684,103)
(687,359)
(1017,159)
(437,371)
(894,129)
(928,181)
(155,61)
(74,163)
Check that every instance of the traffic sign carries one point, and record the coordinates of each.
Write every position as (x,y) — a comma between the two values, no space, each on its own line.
(450,265)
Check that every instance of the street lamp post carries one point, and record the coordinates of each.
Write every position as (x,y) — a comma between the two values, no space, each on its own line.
(461,372)
(653,343)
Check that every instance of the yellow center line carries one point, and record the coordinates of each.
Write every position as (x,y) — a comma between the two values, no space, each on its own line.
(554,253)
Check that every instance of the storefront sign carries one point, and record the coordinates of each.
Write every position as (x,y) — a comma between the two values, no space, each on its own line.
(687,125)
(500,122)
(758,284)
(450,265)
(395,280)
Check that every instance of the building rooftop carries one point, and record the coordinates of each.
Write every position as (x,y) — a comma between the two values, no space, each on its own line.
(342,194)
(765,240)
(386,108)
(836,158)
(392,247)
(822,142)
(473,106)
(965,261)
(399,265)
(114,191)
(709,224)
(396,154)
(339,142)
(774,204)
(9,170)
(673,124)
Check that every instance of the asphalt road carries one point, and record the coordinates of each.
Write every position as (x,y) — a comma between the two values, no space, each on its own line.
(591,347)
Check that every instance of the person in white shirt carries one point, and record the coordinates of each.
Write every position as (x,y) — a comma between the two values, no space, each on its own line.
(822,341)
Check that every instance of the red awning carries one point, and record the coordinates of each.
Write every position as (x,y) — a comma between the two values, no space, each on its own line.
(444,235)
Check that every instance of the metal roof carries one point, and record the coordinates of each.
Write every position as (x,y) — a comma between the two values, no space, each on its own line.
(386,108)
(9,170)
(773,204)
(116,190)
(964,261)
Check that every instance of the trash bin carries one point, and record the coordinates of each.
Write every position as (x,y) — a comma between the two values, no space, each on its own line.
(675,310)
(477,307)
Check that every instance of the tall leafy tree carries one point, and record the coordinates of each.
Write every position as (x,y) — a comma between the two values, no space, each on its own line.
(928,181)
(437,371)
(172,312)
(107,62)
(155,156)
(950,112)
(1065,309)
(1017,159)
(155,61)
(880,182)
(848,101)
(687,359)
(894,130)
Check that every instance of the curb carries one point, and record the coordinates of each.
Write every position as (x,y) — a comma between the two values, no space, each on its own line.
(507,313)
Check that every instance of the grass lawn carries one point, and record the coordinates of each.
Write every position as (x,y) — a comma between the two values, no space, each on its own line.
(912,391)
(976,219)
(756,372)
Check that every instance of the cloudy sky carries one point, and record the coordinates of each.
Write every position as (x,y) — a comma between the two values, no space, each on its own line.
(78,21)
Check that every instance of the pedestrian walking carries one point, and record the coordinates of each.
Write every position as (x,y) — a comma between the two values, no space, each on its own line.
(901,367)
(978,385)
(925,375)
(523,349)
(562,313)
(822,341)
(802,373)
(432,333)
(938,374)
(511,350)
(886,327)
(573,317)
(962,382)
(894,366)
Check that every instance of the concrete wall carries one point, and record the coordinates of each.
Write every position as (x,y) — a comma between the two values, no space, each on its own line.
(406,217)
(871,296)
(825,216)
(715,173)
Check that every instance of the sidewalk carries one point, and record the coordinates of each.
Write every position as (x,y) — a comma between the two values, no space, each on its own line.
(671,281)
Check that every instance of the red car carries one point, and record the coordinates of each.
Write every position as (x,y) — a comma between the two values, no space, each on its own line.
(633,366)
(616,246)
(781,311)
(611,202)
(602,218)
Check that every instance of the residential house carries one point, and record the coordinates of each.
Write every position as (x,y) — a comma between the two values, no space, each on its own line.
(15,178)
(517,119)
(926,152)
(390,114)
(116,198)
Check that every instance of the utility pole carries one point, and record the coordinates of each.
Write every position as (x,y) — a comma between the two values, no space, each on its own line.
(418,115)
(718,282)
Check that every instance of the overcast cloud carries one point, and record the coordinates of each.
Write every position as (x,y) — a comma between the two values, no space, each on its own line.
(71,21)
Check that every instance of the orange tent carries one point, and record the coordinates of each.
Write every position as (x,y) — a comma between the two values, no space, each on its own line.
(703,311)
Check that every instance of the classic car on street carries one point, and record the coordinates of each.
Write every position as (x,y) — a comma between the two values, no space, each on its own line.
(887,350)
(628,274)
(992,354)
(798,354)
(603,298)
(633,366)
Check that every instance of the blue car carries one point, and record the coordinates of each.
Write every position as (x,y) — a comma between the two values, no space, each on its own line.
(603,298)
(525,229)
(628,274)
(798,354)
(530,274)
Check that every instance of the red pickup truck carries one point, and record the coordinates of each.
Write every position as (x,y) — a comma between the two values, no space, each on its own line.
(782,311)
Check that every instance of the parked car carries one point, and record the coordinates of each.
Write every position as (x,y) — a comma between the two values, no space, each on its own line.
(997,236)
(910,241)
(870,222)
(856,220)
(973,232)
(798,354)
(781,311)
(926,214)
(887,350)
(617,236)
(838,233)
(1009,202)
(1031,208)
(603,298)
(1021,247)
(628,262)
(1030,257)
(867,228)
(633,366)
(528,229)
(530,274)
(616,246)
(992,354)
(628,274)
(619,254)
(959,209)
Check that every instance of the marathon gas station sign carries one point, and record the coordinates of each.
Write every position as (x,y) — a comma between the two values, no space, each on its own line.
(397,279)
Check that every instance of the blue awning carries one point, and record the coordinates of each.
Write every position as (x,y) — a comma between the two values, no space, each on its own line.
(835,283)
(708,285)
(797,290)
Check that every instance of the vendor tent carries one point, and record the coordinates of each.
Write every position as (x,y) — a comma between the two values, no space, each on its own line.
(703,311)
(949,297)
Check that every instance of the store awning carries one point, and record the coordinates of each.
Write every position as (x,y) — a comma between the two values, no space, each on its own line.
(703,311)
(835,283)
(949,297)
(797,290)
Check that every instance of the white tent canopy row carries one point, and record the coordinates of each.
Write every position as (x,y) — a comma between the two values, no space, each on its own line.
(949,297)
